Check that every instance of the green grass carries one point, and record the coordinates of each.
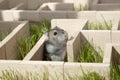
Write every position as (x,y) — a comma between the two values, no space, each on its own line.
(36,31)
(100,26)
(15,75)
(3,35)
(88,54)
(92,76)
(81,8)
(89,76)
(115,73)
(10,74)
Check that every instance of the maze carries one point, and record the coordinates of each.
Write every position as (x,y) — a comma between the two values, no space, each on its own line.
(94,23)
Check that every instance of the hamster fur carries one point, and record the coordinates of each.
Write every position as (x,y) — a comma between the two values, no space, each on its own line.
(55,45)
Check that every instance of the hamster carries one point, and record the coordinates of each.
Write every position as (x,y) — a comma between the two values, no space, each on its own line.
(55,45)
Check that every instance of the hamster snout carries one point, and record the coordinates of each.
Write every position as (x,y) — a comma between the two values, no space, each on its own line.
(56,44)
(63,37)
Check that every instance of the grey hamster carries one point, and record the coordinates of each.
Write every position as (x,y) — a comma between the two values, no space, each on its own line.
(55,45)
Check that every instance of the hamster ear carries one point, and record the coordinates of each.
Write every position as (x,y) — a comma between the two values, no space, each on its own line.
(56,27)
(46,34)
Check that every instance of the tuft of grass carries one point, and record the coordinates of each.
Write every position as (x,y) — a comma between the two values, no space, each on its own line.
(114,73)
(36,31)
(88,54)
(76,77)
(81,8)
(100,26)
(1,38)
(15,75)
(3,35)
(92,76)
(89,76)
(25,45)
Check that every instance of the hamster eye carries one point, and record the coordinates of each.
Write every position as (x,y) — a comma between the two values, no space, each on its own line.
(55,33)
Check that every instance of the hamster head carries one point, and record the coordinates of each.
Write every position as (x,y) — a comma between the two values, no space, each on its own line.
(57,36)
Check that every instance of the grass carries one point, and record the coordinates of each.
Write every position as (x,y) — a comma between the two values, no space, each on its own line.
(88,54)
(100,26)
(10,74)
(36,31)
(3,35)
(15,75)
(81,8)
(92,76)
(89,76)
(115,73)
